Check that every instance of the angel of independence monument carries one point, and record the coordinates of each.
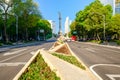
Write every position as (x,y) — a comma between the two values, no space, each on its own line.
(60,30)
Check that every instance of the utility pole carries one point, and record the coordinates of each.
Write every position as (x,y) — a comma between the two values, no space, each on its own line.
(60,31)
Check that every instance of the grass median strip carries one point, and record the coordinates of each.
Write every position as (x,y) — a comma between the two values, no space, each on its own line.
(39,70)
(70,59)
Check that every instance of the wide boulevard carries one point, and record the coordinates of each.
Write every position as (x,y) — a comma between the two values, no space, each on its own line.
(13,58)
(103,61)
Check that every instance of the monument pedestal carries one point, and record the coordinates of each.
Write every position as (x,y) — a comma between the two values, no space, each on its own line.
(60,33)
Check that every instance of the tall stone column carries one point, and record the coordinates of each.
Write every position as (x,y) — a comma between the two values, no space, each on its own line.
(60,30)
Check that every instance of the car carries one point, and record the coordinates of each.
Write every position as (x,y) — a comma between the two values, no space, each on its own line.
(73,38)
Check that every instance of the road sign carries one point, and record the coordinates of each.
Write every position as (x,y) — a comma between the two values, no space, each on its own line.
(41,30)
(75,32)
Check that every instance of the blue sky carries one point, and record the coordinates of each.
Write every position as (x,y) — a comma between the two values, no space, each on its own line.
(50,9)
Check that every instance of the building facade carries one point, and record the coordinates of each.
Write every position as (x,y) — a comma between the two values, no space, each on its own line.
(52,26)
(114,3)
(67,25)
(117,6)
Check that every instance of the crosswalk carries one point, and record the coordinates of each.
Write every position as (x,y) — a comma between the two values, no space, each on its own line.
(12,64)
(15,52)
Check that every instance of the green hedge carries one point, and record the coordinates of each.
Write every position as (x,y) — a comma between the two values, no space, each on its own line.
(39,70)
(118,42)
(70,59)
(0,44)
(96,41)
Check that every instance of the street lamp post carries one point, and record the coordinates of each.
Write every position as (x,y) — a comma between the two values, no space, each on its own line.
(103,24)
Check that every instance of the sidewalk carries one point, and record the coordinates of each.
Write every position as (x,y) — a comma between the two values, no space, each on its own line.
(65,70)
(21,44)
(15,45)
(110,45)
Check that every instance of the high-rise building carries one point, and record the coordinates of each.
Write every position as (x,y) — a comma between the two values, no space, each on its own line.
(60,24)
(52,26)
(114,3)
(117,6)
(67,25)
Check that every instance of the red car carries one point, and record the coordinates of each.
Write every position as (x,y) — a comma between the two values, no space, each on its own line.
(74,38)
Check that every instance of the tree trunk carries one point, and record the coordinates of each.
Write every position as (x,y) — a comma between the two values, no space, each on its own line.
(26,35)
(94,36)
(118,36)
(98,37)
(5,37)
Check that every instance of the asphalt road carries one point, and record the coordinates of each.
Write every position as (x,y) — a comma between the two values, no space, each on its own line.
(104,62)
(14,58)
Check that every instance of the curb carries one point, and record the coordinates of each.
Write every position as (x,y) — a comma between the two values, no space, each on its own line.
(68,74)
(109,46)
(3,49)
(89,72)
(56,48)
(52,67)
(75,55)
(26,66)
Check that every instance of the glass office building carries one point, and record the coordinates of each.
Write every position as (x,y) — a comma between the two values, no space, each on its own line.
(117,6)
(114,3)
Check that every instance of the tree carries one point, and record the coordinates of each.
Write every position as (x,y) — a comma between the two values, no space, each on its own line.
(75,27)
(88,20)
(28,16)
(5,6)
(115,27)
(44,25)
(91,20)
(1,26)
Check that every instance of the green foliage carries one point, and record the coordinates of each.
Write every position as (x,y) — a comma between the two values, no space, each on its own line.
(39,70)
(45,25)
(118,42)
(49,35)
(115,27)
(89,23)
(1,44)
(73,25)
(70,59)
(95,41)
(9,43)
(28,16)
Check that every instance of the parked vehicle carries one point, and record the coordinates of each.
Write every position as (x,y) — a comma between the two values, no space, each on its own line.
(73,38)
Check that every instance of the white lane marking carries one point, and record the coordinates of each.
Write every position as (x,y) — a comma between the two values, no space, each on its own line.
(105,65)
(91,68)
(11,57)
(12,64)
(113,76)
(15,52)
(91,50)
